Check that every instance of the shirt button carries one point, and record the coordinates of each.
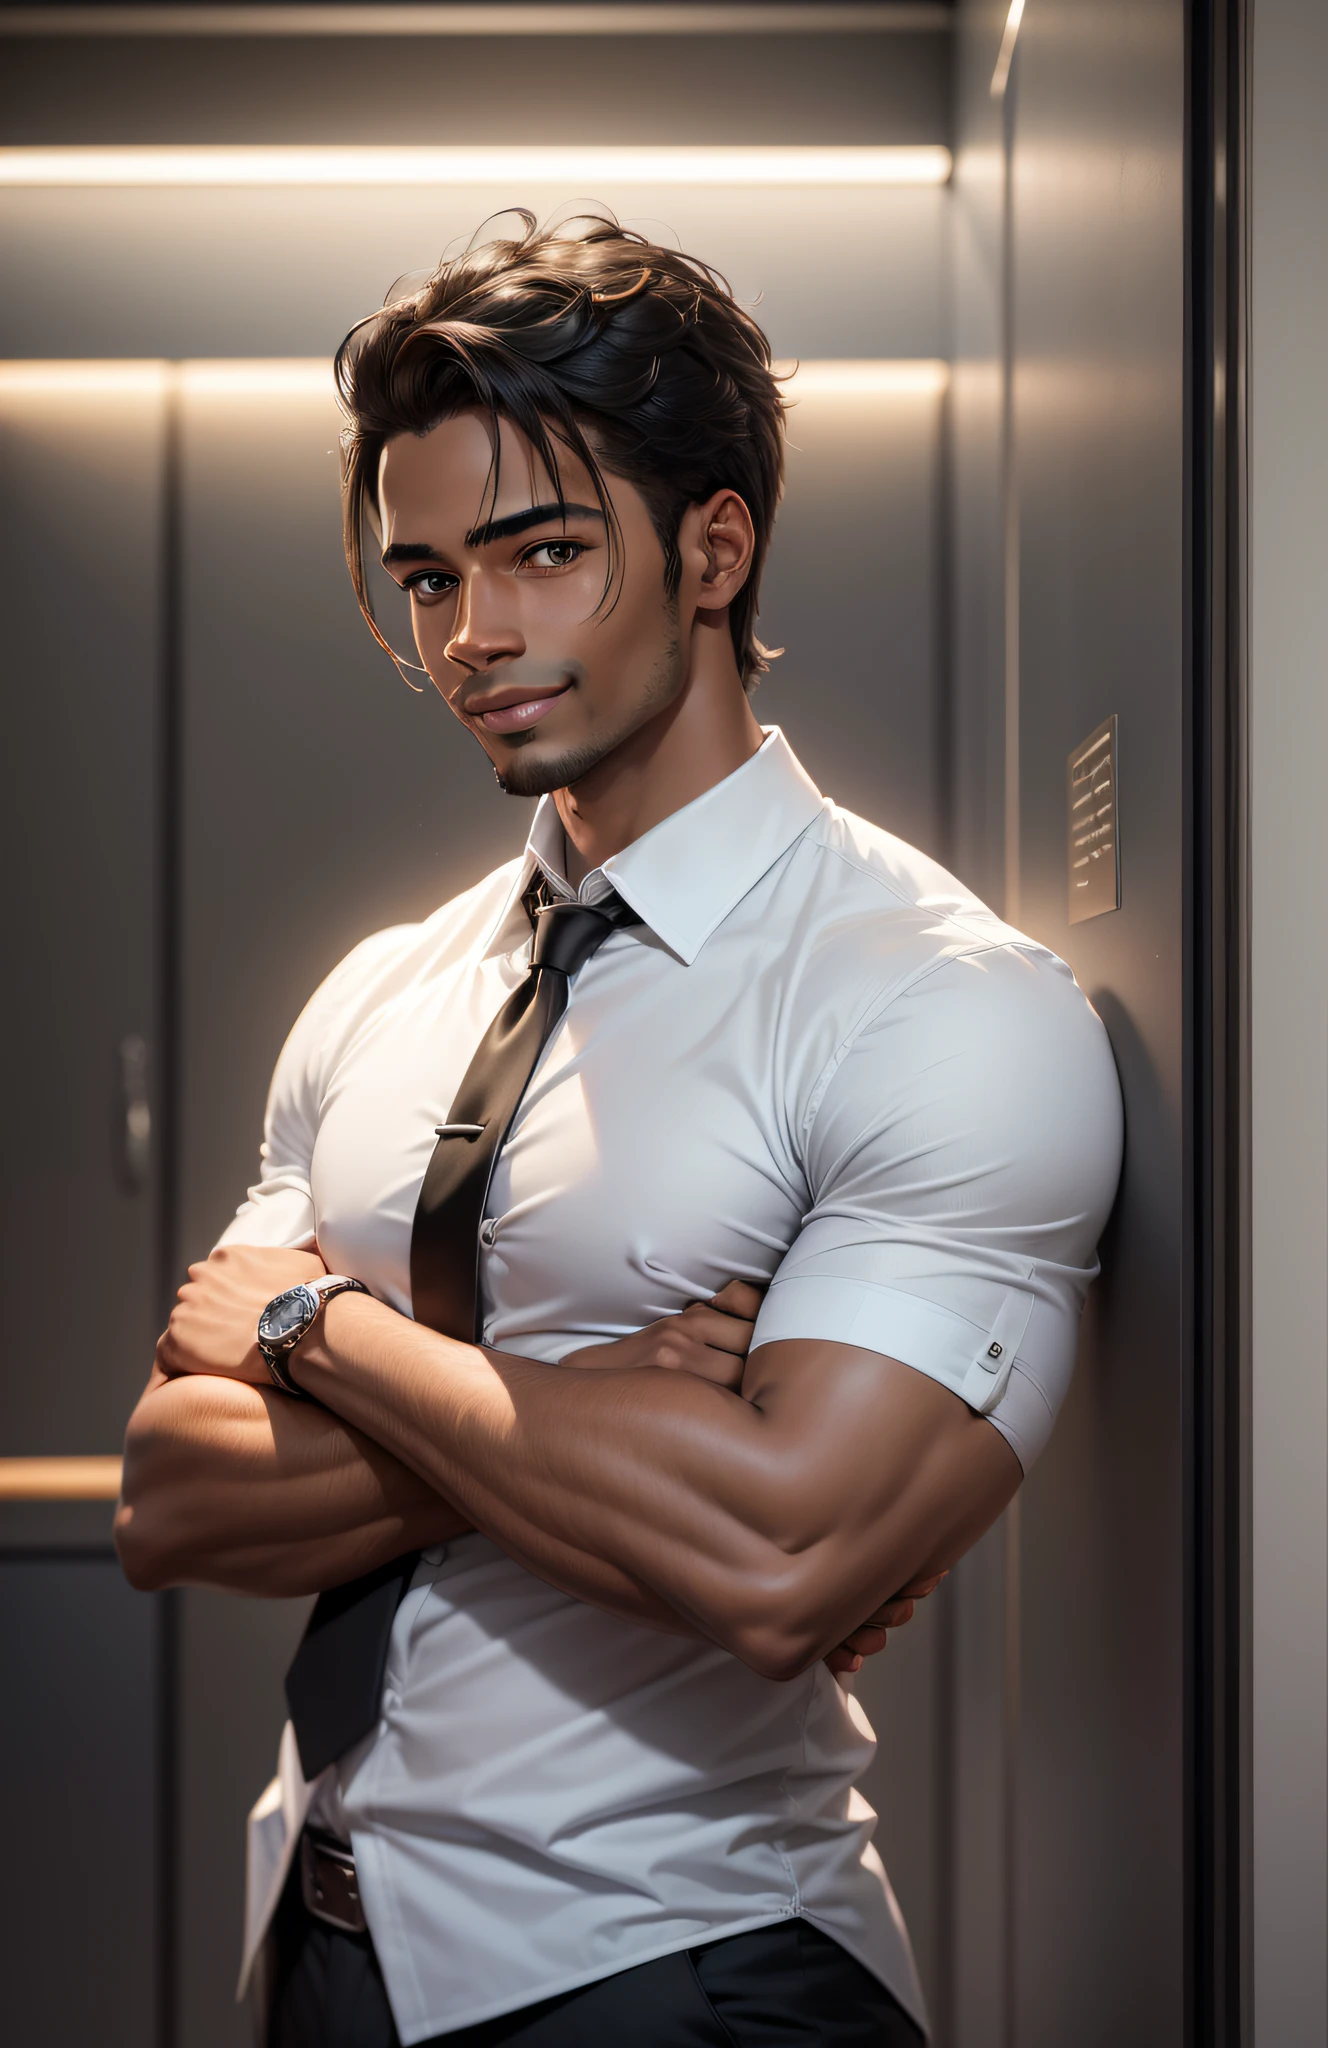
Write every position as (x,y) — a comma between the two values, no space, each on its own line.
(488,1230)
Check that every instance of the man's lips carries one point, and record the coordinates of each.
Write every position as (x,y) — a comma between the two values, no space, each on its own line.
(520,705)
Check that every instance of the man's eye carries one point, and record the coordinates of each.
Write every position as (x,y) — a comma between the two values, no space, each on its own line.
(554,554)
(431,584)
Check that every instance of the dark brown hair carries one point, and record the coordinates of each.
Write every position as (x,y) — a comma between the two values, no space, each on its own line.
(586,336)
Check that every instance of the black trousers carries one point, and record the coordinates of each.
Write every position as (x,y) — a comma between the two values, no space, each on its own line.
(780,1986)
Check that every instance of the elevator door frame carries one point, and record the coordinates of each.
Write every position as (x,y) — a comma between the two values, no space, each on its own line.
(1217,1481)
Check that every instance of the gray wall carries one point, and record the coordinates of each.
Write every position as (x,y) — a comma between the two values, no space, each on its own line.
(79,1928)
(1289,720)
(270,272)
(80,594)
(981,1721)
(1082,485)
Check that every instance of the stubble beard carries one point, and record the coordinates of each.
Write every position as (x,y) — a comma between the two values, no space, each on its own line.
(528,775)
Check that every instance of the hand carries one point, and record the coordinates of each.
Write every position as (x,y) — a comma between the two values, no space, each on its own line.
(215,1318)
(709,1339)
(871,1637)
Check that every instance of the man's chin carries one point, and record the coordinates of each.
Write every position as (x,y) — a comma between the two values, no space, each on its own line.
(528,772)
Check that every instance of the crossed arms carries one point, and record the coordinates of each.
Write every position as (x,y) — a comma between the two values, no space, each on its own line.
(766,1503)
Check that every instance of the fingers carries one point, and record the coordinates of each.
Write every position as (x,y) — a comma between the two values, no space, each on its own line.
(918,1589)
(725,1322)
(872,1635)
(739,1298)
(702,1324)
(871,1638)
(898,1609)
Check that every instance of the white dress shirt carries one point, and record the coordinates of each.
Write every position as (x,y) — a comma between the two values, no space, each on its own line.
(817,1063)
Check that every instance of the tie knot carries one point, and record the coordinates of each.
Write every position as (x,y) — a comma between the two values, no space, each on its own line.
(566,934)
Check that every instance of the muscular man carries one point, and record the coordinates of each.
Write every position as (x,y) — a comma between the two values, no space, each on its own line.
(711,1052)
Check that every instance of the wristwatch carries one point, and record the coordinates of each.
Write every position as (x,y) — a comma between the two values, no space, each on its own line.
(290,1316)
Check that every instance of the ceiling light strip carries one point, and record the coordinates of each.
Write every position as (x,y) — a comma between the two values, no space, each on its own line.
(295,376)
(203,166)
(54,378)
(878,376)
(885,16)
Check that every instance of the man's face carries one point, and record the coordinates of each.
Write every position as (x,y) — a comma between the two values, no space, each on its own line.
(506,600)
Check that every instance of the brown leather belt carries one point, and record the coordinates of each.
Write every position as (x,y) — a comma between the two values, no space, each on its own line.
(328,1882)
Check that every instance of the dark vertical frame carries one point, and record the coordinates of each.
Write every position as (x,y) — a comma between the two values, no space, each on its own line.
(1216,1495)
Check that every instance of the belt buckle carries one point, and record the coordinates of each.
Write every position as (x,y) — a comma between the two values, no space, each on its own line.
(329,1884)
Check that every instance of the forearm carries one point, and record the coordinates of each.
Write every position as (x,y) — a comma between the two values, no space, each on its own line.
(769,1522)
(230,1485)
(664,1482)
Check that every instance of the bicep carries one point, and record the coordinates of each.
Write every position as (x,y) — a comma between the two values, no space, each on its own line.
(886,1474)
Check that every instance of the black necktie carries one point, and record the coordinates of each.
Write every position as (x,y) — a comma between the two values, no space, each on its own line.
(335,1680)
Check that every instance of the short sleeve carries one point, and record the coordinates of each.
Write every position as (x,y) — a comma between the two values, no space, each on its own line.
(962,1154)
(279,1208)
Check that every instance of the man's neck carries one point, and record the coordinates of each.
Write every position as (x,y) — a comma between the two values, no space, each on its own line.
(706,733)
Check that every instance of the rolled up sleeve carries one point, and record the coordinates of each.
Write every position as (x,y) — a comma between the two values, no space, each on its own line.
(962,1150)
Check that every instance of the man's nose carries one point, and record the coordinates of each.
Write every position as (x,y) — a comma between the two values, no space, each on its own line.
(484,629)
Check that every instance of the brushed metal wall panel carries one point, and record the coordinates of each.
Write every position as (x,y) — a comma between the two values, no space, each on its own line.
(78,1891)
(789,88)
(1288,1841)
(80,599)
(852,594)
(841,272)
(977,1902)
(1098,437)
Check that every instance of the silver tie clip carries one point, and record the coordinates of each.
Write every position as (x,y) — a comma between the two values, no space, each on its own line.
(459,1130)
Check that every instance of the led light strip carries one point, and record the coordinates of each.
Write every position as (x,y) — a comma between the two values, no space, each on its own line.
(929,165)
(922,378)
(293,376)
(475,18)
(275,377)
(76,378)
(59,1478)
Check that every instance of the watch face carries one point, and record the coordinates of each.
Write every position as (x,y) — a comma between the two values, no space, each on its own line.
(287,1316)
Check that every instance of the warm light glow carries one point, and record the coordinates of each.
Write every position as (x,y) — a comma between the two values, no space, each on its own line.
(59,1478)
(76,379)
(312,376)
(293,375)
(1000,77)
(923,377)
(476,18)
(579,168)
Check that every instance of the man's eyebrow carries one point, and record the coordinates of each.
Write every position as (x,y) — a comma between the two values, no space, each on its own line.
(534,515)
(409,551)
(492,530)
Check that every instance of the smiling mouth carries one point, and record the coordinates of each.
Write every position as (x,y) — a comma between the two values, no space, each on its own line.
(520,706)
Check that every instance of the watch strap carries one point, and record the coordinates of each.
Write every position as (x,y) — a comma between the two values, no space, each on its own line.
(279,1376)
(276,1360)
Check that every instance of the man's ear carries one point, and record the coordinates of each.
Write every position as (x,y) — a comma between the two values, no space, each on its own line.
(716,542)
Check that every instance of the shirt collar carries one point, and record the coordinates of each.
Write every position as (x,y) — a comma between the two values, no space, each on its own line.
(684,876)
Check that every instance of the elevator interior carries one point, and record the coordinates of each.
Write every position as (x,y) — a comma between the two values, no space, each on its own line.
(220,785)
